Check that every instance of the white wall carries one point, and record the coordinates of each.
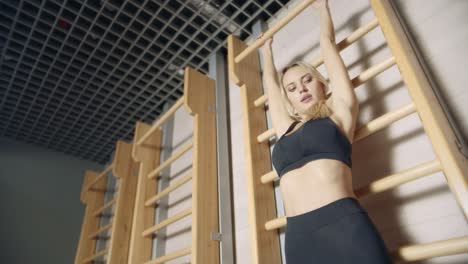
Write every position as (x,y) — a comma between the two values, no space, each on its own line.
(421,211)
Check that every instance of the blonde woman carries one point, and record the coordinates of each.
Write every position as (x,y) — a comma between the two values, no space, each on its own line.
(316,123)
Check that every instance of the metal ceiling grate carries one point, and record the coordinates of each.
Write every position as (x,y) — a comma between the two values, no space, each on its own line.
(77,75)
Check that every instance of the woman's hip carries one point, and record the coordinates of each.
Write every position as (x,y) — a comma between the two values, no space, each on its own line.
(339,232)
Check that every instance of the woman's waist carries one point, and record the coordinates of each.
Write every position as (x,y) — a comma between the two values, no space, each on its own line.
(324,171)
(310,187)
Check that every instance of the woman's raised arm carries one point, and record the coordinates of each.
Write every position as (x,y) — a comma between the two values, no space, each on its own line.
(343,92)
(278,113)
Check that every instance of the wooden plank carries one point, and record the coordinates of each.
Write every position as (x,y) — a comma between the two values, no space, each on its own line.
(102,175)
(89,175)
(123,214)
(199,92)
(261,201)
(122,159)
(90,224)
(435,123)
(148,157)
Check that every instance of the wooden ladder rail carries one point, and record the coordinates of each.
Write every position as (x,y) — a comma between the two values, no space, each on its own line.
(94,188)
(199,101)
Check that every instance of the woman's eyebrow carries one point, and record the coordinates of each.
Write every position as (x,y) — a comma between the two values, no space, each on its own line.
(305,75)
(302,77)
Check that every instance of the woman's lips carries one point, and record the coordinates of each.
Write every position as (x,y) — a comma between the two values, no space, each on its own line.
(306,99)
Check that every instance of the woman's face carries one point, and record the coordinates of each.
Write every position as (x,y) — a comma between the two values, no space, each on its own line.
(302,89)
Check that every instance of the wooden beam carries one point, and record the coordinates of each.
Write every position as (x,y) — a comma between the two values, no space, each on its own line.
(261,201)
(148,157)
(124,165)
(90,224)
(200,101)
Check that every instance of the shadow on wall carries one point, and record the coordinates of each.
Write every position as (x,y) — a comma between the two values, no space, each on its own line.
(440,83)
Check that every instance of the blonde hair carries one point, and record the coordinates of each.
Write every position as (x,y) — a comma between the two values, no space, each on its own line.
(318,110)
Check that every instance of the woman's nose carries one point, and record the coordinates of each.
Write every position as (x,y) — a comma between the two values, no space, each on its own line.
(303,88)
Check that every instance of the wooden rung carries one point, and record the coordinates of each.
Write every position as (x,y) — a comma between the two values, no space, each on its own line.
(391,181)
(95,256)
(104,207)
(178,216)
(381,185)
(261,100)
(99,177)
(167,190)
(276,223)
(266,135)
(373,71)
(384,121)
(446,247)
(171,256)
(275,28)
(100,230)
(161,120)
(353,37)
(168,162)
(269,177)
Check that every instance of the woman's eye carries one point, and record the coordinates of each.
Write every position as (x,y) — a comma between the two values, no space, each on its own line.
(291,88)
(308,80)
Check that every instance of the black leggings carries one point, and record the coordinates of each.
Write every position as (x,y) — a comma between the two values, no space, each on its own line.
(337,233)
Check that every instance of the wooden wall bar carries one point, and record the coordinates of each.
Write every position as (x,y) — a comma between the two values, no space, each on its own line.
(148,157)
(261,201)
(123,214)
(200,102)
(435,122)
(90,224)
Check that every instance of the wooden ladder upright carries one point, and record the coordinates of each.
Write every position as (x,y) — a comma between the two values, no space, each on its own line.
(118,230)
(199,101)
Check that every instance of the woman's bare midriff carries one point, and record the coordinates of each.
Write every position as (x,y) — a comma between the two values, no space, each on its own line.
(314,185)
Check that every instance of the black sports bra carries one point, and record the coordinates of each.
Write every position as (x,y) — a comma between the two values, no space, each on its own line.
(315,139)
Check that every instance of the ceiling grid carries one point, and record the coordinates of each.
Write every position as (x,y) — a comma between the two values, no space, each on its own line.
(76,75)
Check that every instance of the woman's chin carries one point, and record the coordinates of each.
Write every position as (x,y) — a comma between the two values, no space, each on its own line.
(309,104)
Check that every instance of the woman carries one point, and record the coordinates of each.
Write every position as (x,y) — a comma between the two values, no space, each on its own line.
(325,222)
